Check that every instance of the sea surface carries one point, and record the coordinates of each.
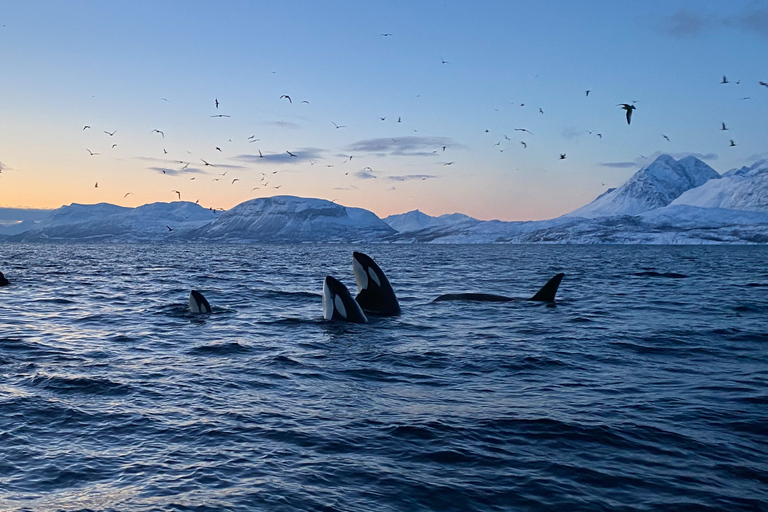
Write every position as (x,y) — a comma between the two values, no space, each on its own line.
(645,387)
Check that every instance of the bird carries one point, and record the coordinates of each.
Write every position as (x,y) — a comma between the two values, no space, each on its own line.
(158,131)
(448,163)
(260,155)
(725,80)
(305,101)
(234,180)
(587,93)
(399,119)
(732,143)
(562,156)
(723,127)
(110,134)
(385,35)
(169,228)
(114,146)
(287,97)
(206,163)
(216,102)
(383,118)
(525,146)
(177,193)
(221,115)
(127,194)
(86,127)
(337,126)
(666,137)
(763,83)
(629,108)
(291,154)
(91,152)
(540,111)
(444,61)
(97,183)
(218,148)
(522,130)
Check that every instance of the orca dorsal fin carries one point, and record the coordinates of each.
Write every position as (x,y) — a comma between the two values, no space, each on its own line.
(548,291)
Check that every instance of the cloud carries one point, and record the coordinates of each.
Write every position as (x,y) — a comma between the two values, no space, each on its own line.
(684,24)
(410,177)
(177,172)
(404,146)
(365,175)
(571,132)
(302,155)
(619,165)
(755,20)
(284,124)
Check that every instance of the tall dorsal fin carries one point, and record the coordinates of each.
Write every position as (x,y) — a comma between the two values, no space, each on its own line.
(548,291)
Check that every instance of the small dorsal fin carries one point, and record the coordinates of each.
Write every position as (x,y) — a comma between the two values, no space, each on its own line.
(548,291)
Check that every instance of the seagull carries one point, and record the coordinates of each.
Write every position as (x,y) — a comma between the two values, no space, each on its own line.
(587,92)
(127,194)
(337,126)
(110,134)
(206,163)
(399,119)
(725,80)
(305,101)
(448,163)
(562,156)
(522,130)
(666,137)
(629,108)
(234,180)
(723,128)
(444,61)
(216,101)
(158,131)
(291,154)
(86,127)
(732,143)
(383,118)
(114,146)
(763,83)
(97,183)
(540,111)
(218,149)
(525,146)
(385,35)
(221,115)
(260,155)
(91,152)
(178,193)
(169,228)
(287,97)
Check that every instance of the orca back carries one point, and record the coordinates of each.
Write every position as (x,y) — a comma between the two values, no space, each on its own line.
(548,291)
(375,294)
(198,303)
(338,304)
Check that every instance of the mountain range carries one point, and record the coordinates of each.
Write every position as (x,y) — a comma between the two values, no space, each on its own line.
(668,202)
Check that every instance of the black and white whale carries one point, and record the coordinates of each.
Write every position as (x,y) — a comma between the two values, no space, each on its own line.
(338,303)
(3,280)
(375,294)
(545,294)
(198,303)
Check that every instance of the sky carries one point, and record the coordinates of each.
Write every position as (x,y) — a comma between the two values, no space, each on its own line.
(394,105)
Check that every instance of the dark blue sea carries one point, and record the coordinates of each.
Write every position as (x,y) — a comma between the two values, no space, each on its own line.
(645,387)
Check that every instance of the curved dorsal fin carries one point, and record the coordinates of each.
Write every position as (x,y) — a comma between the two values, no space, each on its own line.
(548,291)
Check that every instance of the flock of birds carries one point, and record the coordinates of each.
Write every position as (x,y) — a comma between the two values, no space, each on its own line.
(265,182)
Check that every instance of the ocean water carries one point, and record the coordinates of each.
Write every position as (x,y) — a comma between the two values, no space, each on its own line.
(644,388)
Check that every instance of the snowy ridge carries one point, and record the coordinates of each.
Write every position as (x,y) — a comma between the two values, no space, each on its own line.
(652,187)
(739,189)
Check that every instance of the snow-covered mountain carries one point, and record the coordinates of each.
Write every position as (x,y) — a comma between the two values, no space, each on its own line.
(739,189)
(649,188)
(416,221)
(108,222)
(286,219)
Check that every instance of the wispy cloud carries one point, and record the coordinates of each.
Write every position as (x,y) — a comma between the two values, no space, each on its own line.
(411,177)
(302,155)
(176,172)
(364,175)
(404,146)
(687,23)
(619,165)
(284,124)
(642,161)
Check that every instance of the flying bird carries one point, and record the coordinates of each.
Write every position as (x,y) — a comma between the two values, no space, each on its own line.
(159,131)
(337,126)
(385,35)
(525,146)
(169,228)
(221,115)
(587,92)
(91,152)
(234,180)
(260,155)
(732,143)
(86,127)
(291,154)
(725,80)
(562,156)
(97,183)
(216,101)
(114,146)
(287,97)
(218,148)
(206,163)
(629,108)
(522,130)
(723,127)
(127,194)
(110,134)
(177,193)
(763,83)
(666,137)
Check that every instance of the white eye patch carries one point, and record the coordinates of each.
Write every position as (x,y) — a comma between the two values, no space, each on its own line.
(374,276)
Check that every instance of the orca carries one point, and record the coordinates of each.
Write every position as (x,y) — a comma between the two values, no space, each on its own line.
(545,294)
(3,280)
(338,304)
(375,294)
(197,303)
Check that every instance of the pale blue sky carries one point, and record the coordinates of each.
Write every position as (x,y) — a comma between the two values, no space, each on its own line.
(138,66)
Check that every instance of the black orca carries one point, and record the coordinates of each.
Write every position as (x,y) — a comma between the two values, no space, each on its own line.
(197,303)
(338,304)
(3,280)
(545,294)
(375,294)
